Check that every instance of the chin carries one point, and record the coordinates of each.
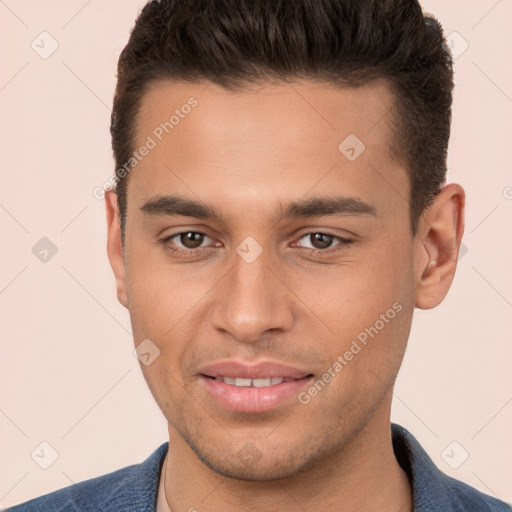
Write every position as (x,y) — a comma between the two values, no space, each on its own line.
(250,463)
(260,472)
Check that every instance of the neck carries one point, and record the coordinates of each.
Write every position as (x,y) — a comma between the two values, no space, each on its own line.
(363,476)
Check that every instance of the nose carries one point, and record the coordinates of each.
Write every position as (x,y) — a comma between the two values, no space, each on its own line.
(251,301)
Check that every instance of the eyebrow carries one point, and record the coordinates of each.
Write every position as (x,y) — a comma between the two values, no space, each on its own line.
(174,205)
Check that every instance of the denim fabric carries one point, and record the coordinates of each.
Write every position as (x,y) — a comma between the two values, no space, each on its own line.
(433,491)
(134,488)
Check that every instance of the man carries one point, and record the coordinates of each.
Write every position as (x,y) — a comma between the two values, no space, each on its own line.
(280,210)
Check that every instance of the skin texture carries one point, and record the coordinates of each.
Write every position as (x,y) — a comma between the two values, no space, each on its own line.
(247,154)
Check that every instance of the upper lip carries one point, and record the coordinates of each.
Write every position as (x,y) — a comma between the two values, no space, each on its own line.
(260,370)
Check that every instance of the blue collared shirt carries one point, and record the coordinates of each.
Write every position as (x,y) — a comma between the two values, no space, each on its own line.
(134,488)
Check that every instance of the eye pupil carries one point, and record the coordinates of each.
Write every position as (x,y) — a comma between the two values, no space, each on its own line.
(321,240)
(191,240)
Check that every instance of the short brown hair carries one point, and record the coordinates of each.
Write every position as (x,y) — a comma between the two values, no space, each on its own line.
(347,42)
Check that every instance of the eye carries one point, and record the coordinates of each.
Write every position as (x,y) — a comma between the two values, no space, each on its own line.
(190,239)
(185,242)
(323,242)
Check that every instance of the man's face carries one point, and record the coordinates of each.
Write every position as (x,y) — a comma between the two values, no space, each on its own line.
(257,282)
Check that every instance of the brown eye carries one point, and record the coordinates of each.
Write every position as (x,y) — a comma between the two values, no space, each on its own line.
(321,240)
(191,239)
(188,243)
(318,241)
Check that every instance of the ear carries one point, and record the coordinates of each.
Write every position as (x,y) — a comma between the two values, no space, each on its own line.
(438,241)
(114,246)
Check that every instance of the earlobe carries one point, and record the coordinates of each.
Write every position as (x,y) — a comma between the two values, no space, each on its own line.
(438,243)
(114,246)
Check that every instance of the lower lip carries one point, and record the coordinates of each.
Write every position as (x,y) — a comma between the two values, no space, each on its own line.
(252,399)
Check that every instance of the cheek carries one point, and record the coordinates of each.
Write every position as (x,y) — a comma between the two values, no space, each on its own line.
(159,295)
(364,358)
(368,308)
(351,296)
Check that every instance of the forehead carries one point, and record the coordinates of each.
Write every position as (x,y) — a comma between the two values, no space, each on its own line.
(296,111)
(270,138)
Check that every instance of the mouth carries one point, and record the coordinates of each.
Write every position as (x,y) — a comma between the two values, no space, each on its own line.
(242,387)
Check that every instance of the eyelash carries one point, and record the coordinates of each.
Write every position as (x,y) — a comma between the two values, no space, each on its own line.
(343,242)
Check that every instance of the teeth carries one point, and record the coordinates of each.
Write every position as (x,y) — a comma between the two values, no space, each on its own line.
(257,383)
(261,383)
(242,382)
